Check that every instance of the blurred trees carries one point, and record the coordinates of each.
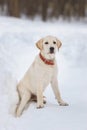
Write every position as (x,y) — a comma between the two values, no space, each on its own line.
(45,8)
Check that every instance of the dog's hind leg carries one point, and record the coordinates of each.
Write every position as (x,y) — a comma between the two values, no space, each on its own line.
(24,99)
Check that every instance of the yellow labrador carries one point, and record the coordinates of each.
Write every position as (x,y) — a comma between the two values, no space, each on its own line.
(42,72)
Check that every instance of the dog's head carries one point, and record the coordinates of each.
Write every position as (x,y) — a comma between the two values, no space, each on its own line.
(48,46)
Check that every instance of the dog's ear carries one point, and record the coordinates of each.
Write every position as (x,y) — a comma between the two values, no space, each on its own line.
(39,44)
(59,44)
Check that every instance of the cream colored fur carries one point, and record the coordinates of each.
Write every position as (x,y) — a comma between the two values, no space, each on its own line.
(39,75)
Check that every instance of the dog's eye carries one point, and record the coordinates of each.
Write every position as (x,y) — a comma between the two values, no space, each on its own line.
(46,42)
(54,42)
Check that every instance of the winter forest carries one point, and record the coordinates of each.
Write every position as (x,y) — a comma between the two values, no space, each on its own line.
(46,9)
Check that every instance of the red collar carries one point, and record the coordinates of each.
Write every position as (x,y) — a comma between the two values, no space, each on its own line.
(48,62)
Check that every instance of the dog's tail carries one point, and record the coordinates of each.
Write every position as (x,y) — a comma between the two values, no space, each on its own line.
(13,97)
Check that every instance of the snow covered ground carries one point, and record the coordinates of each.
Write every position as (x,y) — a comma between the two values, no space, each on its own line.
(18,50)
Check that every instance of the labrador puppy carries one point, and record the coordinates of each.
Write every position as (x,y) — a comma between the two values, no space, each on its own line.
(42,72)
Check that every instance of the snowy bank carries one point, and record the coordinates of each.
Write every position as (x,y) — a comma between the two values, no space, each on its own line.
(18,50)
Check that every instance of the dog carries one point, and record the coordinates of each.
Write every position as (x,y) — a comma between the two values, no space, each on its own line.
(42,72)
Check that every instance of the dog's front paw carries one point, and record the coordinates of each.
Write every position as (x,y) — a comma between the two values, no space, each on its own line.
(62,103)
(40,106)
(17,114)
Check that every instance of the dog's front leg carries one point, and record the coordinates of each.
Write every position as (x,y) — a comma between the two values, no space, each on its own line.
(40,97)
(56,91)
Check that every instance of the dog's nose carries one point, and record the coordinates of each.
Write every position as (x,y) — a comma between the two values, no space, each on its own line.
(51,49)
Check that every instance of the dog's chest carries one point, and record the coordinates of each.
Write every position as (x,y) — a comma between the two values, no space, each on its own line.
(45,72)
(46,76)
(41,74)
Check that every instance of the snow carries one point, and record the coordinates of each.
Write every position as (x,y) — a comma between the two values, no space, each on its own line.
(17,52)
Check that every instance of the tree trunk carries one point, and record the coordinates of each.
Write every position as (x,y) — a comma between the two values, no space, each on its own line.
(13,8)
(44,9)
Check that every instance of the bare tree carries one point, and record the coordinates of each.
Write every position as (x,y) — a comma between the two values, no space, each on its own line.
(13,8)
(82,8)
(44,9)
(2,5)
